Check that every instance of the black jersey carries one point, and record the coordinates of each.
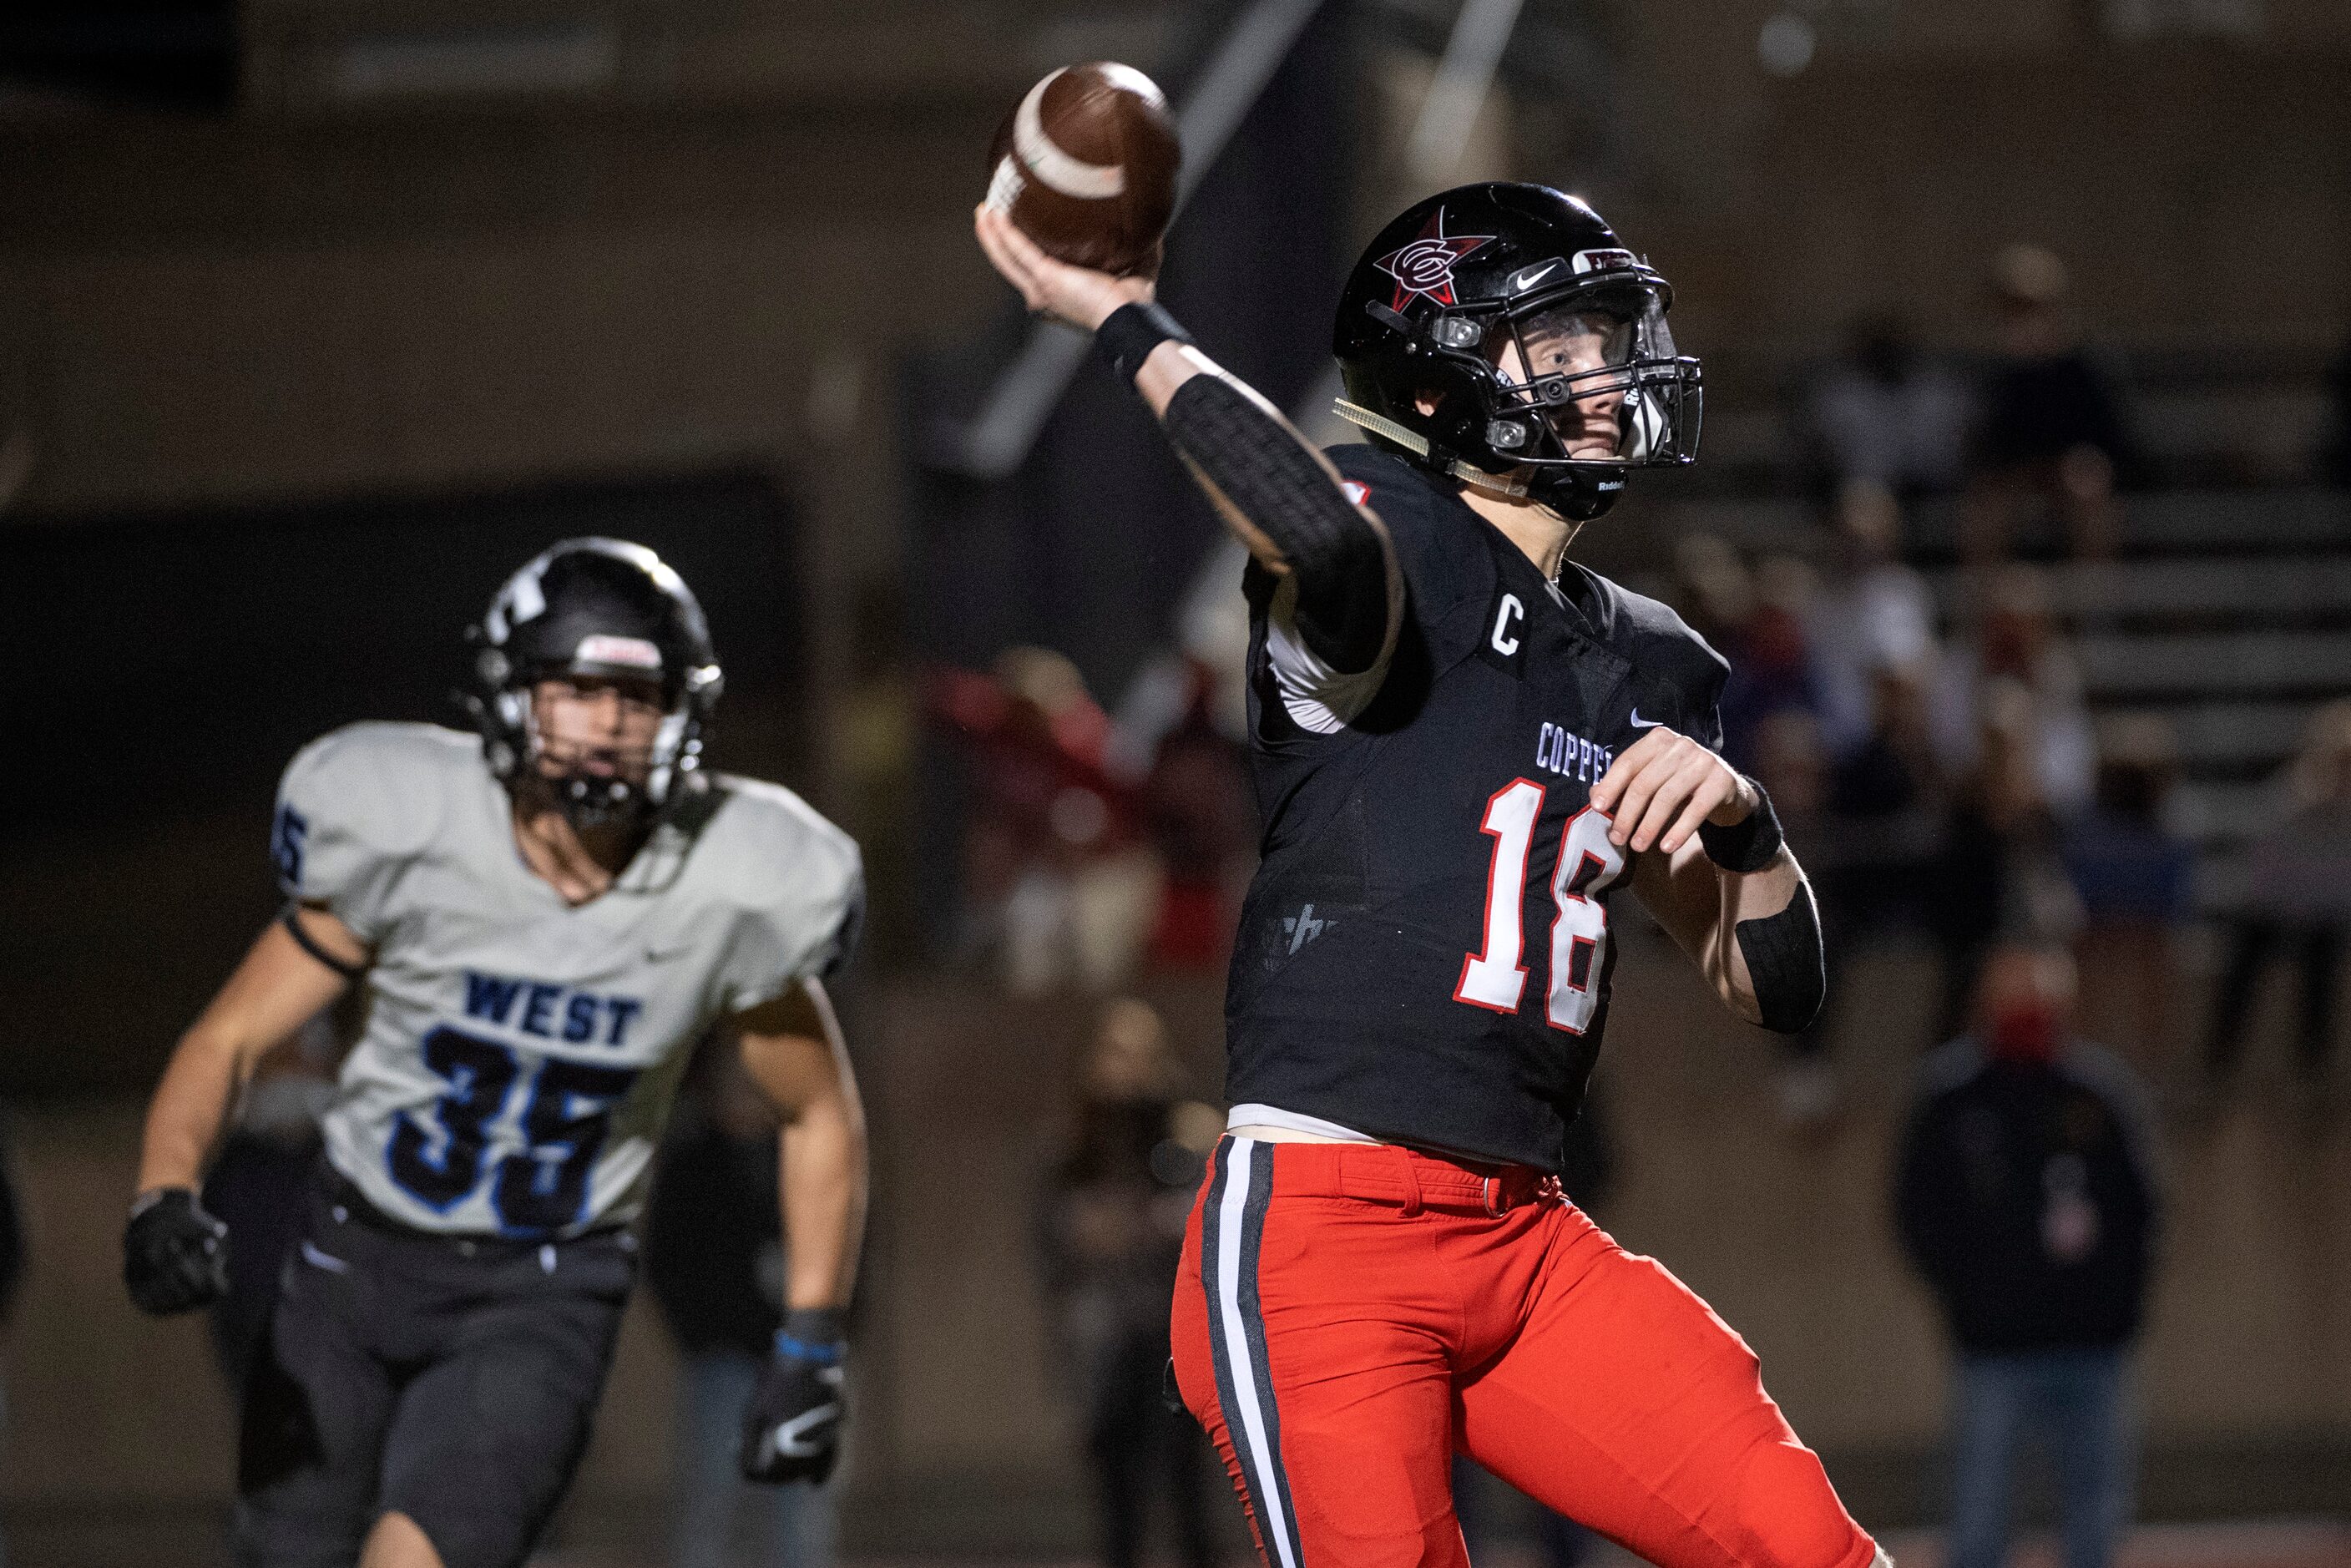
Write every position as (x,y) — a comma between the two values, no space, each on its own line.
(1424,953)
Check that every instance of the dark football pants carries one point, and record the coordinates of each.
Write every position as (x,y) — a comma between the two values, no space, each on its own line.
(1348,1316)
(411,1374)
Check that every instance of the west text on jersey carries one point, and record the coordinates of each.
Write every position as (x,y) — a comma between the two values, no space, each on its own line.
(1564,752)
(550,1011)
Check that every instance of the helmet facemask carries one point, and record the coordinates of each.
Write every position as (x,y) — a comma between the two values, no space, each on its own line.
(605,614)
(599,779)
(1580,388)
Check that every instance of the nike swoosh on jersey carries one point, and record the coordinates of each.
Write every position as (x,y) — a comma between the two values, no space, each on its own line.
(1640,723)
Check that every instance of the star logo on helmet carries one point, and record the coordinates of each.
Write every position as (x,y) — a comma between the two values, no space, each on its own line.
(1425,266)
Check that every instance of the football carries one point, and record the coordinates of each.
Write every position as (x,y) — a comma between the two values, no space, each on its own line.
(1086,167)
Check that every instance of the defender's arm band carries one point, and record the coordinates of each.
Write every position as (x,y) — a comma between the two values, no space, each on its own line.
(1129,333)
(813,1334)
(1785,964)
(291,920)
(1747,846)
(1261,467)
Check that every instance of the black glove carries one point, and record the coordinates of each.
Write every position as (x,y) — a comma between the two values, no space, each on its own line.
(791,1432)
(174,1255)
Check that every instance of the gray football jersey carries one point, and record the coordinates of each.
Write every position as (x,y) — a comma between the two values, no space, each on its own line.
(520,1055)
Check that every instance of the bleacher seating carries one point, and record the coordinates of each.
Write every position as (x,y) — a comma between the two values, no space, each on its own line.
(2228,613)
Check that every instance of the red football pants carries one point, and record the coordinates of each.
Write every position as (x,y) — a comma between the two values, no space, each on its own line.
(1348,1316)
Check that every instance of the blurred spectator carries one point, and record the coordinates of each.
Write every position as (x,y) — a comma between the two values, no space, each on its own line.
(12,1270)
(1998,873)
(2132,873)
(1113,1232)
(2052,428)
(2300,901)
(715,1261)
(1885,414)
(1872,614)
(12,1231)
(259,1187)
(2335,459)
(2016,641)
(1053,858)
(2026,1195)
(1756,620)
(1870,829)
(1203,823)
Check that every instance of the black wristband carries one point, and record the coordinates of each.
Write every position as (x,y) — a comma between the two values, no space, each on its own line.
(1745,846)
(1129,333)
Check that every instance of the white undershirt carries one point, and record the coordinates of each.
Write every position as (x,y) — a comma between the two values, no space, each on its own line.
(1272,1124)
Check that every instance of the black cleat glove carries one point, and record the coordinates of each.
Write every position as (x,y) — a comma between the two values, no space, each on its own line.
(174,1255)
(793,1431)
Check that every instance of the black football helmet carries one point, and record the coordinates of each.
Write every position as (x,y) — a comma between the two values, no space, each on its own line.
(602,608)
(1541,339)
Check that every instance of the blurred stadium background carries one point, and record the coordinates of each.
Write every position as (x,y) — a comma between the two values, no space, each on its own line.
(316,318)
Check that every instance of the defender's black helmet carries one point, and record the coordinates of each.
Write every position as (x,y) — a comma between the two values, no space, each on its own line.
(1534,328)
(595,607)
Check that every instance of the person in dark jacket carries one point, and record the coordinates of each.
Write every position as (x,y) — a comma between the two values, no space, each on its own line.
(716,1268)
(1113,1228)
(2026,1195)
(12,1267)
(2052,425)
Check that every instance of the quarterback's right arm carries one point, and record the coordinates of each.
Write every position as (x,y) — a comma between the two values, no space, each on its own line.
(1280,498)
(173,1258)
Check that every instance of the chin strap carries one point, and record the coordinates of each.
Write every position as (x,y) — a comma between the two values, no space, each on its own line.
(1417,444)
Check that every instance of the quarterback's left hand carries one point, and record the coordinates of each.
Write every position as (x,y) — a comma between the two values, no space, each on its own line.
(791,1432)
(1663,786)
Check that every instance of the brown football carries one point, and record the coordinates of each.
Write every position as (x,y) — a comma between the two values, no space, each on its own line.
(1086,167)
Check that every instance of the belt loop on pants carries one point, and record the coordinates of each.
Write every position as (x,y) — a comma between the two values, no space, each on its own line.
(1411,1183)
(1490,1191)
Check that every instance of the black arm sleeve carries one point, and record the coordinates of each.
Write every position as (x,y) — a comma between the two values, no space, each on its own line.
(1274,482)
(1785,963)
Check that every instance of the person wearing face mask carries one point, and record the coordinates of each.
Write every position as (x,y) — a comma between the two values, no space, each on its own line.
(2026,1195)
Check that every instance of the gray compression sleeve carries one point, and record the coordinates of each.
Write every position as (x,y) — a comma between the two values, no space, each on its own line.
(1786,964)
(1274,482)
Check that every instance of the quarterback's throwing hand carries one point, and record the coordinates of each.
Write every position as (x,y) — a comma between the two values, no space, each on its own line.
(174,1255)
(1076,295)
(793,1431)
(1663,786)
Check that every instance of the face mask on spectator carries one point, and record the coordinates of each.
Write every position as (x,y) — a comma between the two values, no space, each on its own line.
(2026,1030)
